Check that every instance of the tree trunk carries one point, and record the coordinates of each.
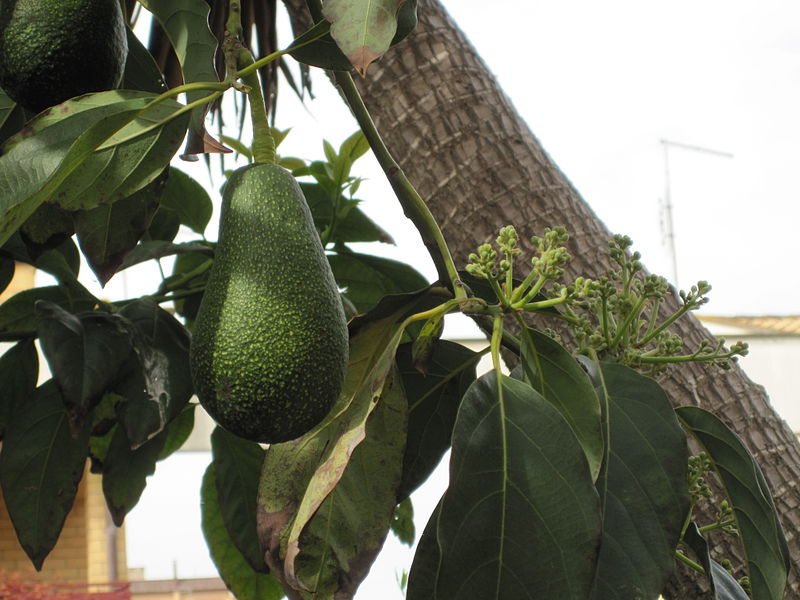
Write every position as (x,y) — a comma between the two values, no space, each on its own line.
(479,167)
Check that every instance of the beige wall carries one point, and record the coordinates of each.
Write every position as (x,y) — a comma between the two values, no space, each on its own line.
(81,554)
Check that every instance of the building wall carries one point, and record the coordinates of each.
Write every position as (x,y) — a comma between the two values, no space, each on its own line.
(81,554)
(67,561)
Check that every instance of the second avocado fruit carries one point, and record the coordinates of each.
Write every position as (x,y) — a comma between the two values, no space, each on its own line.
(270,345)
(53,50)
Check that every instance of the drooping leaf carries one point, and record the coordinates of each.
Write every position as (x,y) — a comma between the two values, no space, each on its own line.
(433,401)
(185,23)
(521,517)
(367,278)
(237,466)
(342,539)
(552,371)
(19,370)
(363,29)
(30,176)
(322,52)
(158,383)
(129,160)
(243,582)
(107,233)
(646,498)
(41,465)
(178,431)
(125,471)
(154,249)
(760,530)
(188,199)
(141,71)
(297,476)
(723,585)
(16,313)
(89,150)
(84,352)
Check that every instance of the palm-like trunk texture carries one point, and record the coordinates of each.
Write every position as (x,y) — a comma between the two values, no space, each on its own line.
(478,166)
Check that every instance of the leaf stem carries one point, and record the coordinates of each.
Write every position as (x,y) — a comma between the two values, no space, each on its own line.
(497,337)
(413,205)
(263,143)
(688,561)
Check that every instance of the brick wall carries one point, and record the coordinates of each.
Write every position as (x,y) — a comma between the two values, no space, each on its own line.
(82,552)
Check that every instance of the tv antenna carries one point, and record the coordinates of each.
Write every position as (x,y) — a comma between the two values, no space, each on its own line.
(669,224)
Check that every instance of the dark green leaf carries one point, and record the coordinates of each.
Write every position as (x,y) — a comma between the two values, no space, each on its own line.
(16,313)
(7,268)
(159,384)
(723,584)
(141,71)
(557,376)
(323,52)
(109,232)
(243,582)
(59,157)
(646,499)
(63,262)
(178,431)
(155,249)
(40,467)
(403,522)
(84,352)
(46,228)
(188,199)
(406,20)
(433,401)
(521,518)
(165,225)
(354,227)
(367,279)
(759,528)
(342,539)
(12,117)
(125,471)
(185,23)
(237,466)
(427,559)
(19,370)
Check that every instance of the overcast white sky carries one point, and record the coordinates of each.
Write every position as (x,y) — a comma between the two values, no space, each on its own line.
(600,84)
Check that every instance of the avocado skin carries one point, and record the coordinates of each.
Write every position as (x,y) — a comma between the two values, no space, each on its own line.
(270,345)
(53,50)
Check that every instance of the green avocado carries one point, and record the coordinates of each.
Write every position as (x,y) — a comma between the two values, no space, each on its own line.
(53,50)
(270,345)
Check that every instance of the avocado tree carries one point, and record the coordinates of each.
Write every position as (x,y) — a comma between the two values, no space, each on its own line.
(570,476)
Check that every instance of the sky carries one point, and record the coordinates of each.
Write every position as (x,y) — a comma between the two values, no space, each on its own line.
(600,84)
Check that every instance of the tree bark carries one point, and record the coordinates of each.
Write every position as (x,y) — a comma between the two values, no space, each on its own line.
(479,167)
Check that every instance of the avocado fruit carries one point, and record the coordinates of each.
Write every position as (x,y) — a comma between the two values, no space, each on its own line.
(270,344)
(53,50)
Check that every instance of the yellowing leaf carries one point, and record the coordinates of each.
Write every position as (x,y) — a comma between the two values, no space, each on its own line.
(363,29)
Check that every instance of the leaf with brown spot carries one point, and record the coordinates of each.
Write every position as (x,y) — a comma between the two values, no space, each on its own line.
(298,476)
(363,29)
